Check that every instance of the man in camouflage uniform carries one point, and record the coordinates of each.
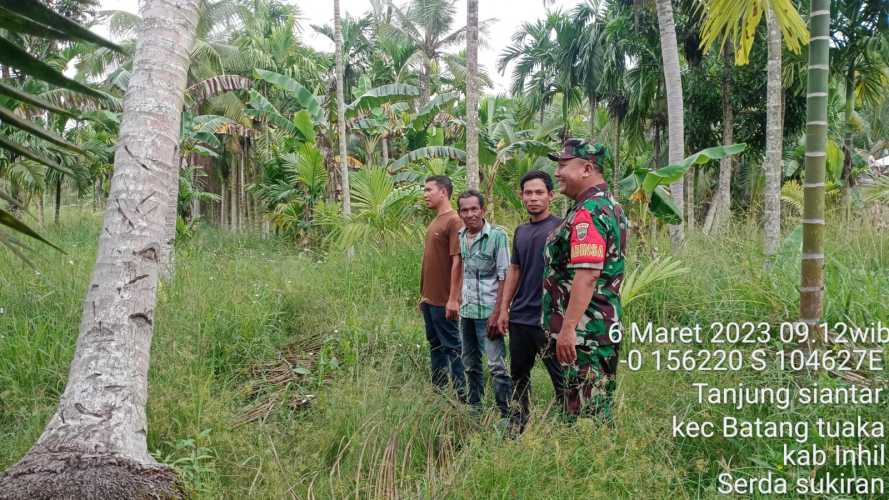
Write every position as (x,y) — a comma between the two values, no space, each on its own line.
(584,268)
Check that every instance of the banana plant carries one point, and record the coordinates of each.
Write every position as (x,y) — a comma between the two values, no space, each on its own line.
(648,188)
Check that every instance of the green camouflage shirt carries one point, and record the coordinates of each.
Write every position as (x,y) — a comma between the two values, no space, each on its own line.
(592,236)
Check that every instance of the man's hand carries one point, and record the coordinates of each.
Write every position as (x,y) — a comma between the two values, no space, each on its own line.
(493,330)
(566,353)
(420,305)
(452,310)
(503,322)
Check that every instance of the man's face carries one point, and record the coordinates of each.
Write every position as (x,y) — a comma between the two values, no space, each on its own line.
(536,197)
(571,174)
(433,194)
(472,213)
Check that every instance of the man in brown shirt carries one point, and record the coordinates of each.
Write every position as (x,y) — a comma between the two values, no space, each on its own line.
(440,286)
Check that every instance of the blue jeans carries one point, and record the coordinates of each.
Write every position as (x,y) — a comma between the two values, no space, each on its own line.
(475,340)
(444,349)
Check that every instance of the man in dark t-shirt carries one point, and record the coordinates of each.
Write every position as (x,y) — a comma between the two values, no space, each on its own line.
(523,289)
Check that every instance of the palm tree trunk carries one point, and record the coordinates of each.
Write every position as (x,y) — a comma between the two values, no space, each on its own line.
(657,145)
(341,109)
(472,173)
(688,188)
(812,272)
(675,118)
(95,444)
(249,215)
(774,139)
(848,180)
(566,126)
(242,193)
(233,195)
(223,193)
(170,215)
(384,146)
(720,208)
(425,74)
(58,205)
(593,105)
(195,202)
(616,164)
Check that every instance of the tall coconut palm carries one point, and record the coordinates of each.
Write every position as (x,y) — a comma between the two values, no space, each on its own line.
(720,209)
(735,21)
(811,292)
(95,445)
(341,109)
(675,114)
(472,175)
(774,139)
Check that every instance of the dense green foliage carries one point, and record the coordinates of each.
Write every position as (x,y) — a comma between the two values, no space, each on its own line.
(282,369)
(357,353)
(259,134)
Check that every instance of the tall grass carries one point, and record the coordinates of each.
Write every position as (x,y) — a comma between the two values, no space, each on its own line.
(372,427)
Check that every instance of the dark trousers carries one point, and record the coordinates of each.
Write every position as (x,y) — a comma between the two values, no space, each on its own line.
(445,349)
(525,344)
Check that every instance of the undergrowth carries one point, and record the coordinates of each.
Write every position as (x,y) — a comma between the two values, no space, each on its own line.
(278,372)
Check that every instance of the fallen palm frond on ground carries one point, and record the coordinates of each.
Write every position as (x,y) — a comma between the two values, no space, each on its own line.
(281,381)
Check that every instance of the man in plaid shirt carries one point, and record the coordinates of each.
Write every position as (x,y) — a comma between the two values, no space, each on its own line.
(484,253)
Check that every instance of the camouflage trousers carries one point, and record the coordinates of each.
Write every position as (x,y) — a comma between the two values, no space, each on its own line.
(590,382)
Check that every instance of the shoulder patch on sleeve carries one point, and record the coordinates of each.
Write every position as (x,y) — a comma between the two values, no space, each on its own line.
(587,245)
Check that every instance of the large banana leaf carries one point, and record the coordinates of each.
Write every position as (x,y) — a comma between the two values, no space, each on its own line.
(260,107)
(427,153)
(649,186)
(217,85)
(302,120)
(427,113)
(393,92)
(674,172)
(304,97)
(663,207)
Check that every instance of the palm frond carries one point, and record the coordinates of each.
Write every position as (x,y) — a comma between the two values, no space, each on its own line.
(639,282)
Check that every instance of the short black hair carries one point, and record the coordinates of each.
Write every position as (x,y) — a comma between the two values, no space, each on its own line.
(443,181)
(537,174)
(471,193)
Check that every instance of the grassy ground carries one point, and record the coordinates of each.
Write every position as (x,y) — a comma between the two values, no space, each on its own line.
(278,373)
